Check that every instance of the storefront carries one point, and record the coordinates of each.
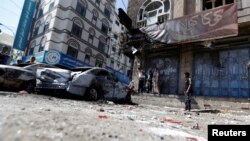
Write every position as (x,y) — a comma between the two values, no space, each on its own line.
(222,73)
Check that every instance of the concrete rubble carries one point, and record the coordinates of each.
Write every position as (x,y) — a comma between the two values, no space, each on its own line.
(39,118)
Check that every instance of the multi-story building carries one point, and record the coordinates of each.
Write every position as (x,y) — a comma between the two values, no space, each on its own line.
(217,62)
(117,60)
(70,33)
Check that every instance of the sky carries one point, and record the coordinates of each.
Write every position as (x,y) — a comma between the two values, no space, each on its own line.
(10,11)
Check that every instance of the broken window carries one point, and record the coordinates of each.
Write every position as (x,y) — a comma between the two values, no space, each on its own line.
(153,11)
(209,4)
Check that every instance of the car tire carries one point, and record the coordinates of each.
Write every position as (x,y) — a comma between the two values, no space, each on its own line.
(92,94)
(128,98)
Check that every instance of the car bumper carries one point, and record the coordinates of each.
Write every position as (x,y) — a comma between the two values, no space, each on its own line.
(50,86)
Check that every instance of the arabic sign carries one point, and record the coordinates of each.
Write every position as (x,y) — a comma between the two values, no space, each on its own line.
(210,24)
(24,25)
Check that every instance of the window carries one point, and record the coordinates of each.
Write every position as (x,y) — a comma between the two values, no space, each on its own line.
(114,49)
(209,4)
(87,58)
(107,11)
(51,6)
(46,27)
(36,28)
(117,23)
(76,30)
(73,52)
(112,63)
(42,44)
(95,16)
(32,47)
(98,63)
(153,11)
(31,51)
(35,31)
(118,65)
(46,24)
(105,26)
(40,14)
(98,2)
(88,53)
(99,60)
(116,36)
(101,46)
(81,8)
(41,48)
(91,35)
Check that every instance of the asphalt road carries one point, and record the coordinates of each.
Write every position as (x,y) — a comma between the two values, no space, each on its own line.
(31,117)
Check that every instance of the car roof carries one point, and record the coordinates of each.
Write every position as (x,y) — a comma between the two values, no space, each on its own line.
(81,68)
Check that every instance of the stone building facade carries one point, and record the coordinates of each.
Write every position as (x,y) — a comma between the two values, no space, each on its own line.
(74,33)
(218,69)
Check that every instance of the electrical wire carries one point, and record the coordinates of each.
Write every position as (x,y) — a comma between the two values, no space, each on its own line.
(16,4)
(124,5)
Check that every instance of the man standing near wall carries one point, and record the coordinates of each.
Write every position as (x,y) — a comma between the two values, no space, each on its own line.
(141,81)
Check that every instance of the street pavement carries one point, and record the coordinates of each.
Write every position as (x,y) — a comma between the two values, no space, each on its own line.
(32,117)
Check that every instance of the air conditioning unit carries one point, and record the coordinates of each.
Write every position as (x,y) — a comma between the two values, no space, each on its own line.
(208,44)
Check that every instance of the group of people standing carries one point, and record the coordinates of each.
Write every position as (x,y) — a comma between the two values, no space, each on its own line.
(5,57)
(149,82)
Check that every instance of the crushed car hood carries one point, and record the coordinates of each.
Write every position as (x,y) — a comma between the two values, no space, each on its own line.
(53,75)
(17,73)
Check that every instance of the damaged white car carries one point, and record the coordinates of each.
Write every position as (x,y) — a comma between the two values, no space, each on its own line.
(93,83)
(19,77)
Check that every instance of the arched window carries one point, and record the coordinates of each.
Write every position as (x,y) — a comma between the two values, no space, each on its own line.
(40,13)
(95,16)
(99,60)
(77,27)
(42,44)
(153,11)
(107,11)
(91,35)
(36,29)
(88,54)
(105,26)
(73,47)
(102,44)
(46,24)
(81,7)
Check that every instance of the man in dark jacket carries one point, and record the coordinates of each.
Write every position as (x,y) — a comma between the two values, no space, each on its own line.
(4,57)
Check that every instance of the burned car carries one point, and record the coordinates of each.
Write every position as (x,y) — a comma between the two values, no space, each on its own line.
(19,77)
(92,83)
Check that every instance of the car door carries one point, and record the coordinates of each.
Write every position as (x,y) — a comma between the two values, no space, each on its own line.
(107,83)
(120,91)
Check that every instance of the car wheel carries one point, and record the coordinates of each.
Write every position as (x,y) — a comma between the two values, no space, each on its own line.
(128,98)
(93,94)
